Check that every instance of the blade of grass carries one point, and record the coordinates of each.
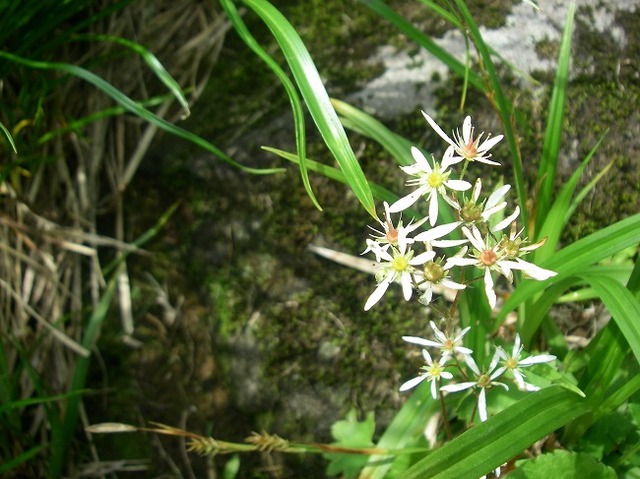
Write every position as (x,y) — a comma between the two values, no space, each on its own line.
(294,100)
(152,62)
(571,260)
(135,108)
(492,443)
(504,108)
(21,458)
(561,210)
(553,134)
(317,100)
(363,123)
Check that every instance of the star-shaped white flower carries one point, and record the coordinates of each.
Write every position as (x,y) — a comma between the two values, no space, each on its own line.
(397,265)
(483,382)
(391,235)
(432,371)
(432,181)
(490,256)
(466,146)
(434,273)
(513,363)
(449,345)
(475,214)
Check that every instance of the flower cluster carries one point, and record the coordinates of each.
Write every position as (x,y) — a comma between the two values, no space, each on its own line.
(452,353)
(481,234)
(478,229)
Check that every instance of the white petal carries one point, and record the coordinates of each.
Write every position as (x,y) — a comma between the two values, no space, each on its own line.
(411,383)
(497,196)
(458,185)
(427,357)
(459,262)
(453,388)
(452,285)
(507,221)
(489,143)
(476,239)
(426,297)
(475,194)
(421,341)
(407,287)
(488,288)
(437,232)
(540,358)
(422,258)
(446,375)
(534,271)
(407,201)
(448,243)
(421,160)
(434,389)
(482,405)
(437,129)
(486,161)
(466,129)
(448,159)
(472,365)
(433,208)
(488,212)
(376,295)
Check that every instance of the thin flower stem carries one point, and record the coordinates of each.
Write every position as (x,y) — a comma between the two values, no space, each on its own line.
(445,417)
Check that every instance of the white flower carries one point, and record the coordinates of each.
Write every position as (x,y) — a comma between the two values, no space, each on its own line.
(434,273)
(449,345)
(431,181)
(483,381)
(492,257)
(466,146)
(431,371)
(391,235)
(513,363)
(399,266)
(477,215)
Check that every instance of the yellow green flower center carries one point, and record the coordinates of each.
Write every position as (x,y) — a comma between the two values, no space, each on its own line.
(433,272)
(484,380)
(511,363)
(435,179)
(511,248)
(400,263)
(471,212)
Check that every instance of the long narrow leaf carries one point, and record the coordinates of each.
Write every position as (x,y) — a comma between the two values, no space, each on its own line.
(504,107)
(559,214)
(551,147)
(135,108)
(294,99)
(623,306)
(492,443)
(576,257)
(316,98)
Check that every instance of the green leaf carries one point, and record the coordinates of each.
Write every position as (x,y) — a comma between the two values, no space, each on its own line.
(559,214)
(351,433)
(623,306)
(134,107)
(490,444)
(573,259)
(553,133)
(562,465)
(317,100)
(294,99)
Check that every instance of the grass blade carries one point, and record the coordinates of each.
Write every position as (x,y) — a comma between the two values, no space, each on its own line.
(552,137)
(316,98)
(294,99)
(503,436)
(135,108)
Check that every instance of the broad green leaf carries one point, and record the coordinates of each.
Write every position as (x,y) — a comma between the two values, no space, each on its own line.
(134,107)
(571,464)
(351,433)
(294,99)
(553,133)
(490,444)
(317,100)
